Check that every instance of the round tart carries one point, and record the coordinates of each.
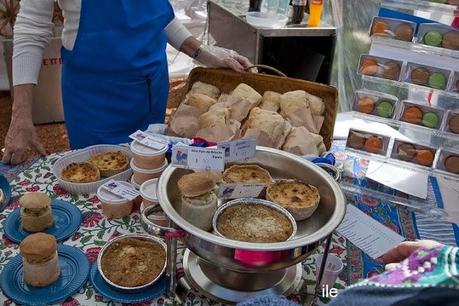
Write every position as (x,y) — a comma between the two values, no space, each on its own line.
(80,173)
(299,198)
(248,174)
(110,163)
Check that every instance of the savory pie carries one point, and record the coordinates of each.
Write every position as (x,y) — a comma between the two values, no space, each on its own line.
(247,174)
(110,163)
(133,262)
(299,198)
(254,223)
(80,173)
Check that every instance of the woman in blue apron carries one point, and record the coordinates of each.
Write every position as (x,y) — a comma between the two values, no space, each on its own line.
(115,79)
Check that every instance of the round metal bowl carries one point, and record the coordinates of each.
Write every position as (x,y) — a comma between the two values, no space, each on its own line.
(252,201)
(137,288)
(222,252)
(151,227)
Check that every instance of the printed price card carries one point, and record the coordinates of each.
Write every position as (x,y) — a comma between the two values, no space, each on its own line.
(198,158)
(150,141)
(121,190)
(239,149)
(237,191)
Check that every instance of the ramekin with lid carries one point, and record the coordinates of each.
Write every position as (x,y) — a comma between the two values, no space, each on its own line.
(142,175)
(148,158)
(114,206)
(148,191)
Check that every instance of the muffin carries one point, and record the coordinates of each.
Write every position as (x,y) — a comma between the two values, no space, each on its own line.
(40,259)
(391,70)
(451,40)
(412,114)
(406,152)
(404,32)
(420,76)
(36,212)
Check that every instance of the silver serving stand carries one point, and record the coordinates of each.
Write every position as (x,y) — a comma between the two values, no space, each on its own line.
(211,263)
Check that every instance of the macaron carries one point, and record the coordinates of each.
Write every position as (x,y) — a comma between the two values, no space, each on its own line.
(385,109)
(420,76)
(430,120)
(366,105)
(369,66)
(373,144)
(437,80)
(451,40)
(453,123)
(380,28)
(391,70)
(356,140)
(404,32)
(406,151)
(412,114)
(425,157)
(433,38)
(452,164)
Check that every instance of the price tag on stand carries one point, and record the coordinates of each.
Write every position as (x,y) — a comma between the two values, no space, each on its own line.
(195,158)
(239,149)
(150,141)
(121,190)
(236,191)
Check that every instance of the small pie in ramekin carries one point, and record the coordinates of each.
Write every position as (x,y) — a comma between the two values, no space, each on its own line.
(110,163)
(80,173)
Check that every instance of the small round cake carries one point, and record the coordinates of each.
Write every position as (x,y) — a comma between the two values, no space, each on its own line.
(391,70)
(406,151)
(453,123)
(425,157)
(380,28)
(420,76)
(451,40)
(437,80)
(433,38)
(452,164)
(412,114)
(430,120)
(369,66)
(366,105)
(373,145)
(385,109)
(404,32)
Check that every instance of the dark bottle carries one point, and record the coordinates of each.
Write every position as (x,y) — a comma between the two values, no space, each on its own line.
(255,5)
(298,8)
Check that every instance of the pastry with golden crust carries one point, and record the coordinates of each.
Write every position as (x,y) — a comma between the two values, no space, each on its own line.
(80,173)
(247,174)
(110,163)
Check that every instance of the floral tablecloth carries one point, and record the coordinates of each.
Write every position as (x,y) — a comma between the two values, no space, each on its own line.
(96,230)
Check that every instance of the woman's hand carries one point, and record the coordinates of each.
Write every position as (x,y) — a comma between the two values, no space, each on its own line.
(404,250)
(216,57)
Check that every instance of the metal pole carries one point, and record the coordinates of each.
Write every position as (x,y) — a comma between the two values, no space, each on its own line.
(322,267)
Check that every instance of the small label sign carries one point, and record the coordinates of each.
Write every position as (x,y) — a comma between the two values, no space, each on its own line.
(121,190)
(237,191)
(198,158)
(239,149)
(150,141)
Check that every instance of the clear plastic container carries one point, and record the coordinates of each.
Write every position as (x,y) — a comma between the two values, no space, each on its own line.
(141,175)
(148,191)
(380,67)
(367,142)
(264,20)
(375,103)
(393,28)
(146,157)
(114,206)
(448,161)
(422,115)
(428,76)
(417,154)
(438,35)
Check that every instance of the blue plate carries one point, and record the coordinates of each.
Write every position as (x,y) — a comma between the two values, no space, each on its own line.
(103,288)
(66,216)
(74,273)
(6,188)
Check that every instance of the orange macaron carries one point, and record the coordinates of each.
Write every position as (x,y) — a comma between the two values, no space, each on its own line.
(366,105)
(373,145)
(369,66)
(412,114)
(425,157)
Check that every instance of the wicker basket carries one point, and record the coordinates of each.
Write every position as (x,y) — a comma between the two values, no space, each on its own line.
(227,80)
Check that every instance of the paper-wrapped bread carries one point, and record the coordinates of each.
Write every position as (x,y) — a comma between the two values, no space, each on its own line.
(271,101)
(242,99)
(214,117)
(205,89)
(295,108)
(199,100)
(302,142)
(185,121)
(268,127)
(246,92)
(316,104)
(220,132)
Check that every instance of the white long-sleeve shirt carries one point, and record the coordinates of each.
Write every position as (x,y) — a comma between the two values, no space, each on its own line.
(34,28)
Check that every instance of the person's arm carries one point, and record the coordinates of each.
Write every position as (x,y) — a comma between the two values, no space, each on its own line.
(32,31)
(181,39)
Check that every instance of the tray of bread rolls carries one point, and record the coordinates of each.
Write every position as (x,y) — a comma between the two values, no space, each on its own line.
(293,115)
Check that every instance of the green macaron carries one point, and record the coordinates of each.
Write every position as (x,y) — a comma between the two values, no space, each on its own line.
(437,80)
(430,120)
(433,38)
(385,109)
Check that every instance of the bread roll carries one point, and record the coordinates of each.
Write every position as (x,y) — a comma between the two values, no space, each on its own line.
(316,104)
(36,212)
(200,101)
(40,259)
(293,100)
(302,142)
(246,92)
(214,117)
(220,132)
(205,89)
(185,121)
(271,101)
(195,184)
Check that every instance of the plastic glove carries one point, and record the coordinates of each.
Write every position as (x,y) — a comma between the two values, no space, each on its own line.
(216,57)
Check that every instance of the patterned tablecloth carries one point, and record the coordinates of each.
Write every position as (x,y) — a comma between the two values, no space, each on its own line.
(95,230)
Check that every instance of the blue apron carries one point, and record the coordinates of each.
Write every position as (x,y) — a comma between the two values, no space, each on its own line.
(115,80)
